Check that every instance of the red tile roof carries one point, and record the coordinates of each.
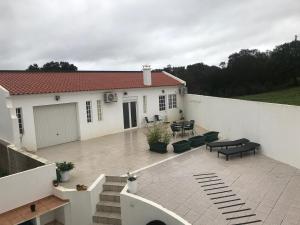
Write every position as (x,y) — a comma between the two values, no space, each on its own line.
(21,83)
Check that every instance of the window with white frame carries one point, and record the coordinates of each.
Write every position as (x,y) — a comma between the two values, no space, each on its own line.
(145,104)
(20,120)
(162,102)
(88,111)
(172,101)
(99,110)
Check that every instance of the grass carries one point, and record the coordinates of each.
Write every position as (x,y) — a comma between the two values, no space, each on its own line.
(289,96)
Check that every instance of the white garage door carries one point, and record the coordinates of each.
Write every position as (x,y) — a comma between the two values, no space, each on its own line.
(55,124)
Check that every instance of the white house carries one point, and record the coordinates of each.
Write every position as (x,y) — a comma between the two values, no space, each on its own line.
(40,109)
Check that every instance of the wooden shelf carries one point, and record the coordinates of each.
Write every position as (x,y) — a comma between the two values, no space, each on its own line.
(23,213)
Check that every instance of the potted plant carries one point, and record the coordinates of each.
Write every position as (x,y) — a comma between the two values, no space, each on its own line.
(197,141)
(64,169)
(211,136)
(181,146)
(158,138)
(132,183)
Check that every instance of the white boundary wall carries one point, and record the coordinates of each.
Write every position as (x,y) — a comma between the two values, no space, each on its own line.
(140,211)
(25,187)
(275,126)
(82,205)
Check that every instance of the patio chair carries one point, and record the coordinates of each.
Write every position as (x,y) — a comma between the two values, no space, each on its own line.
(226,144)
(189,126)
(157,118)
(148,122)
(176,128)
(248,147)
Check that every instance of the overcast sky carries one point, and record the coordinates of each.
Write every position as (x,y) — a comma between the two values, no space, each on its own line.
(124,34)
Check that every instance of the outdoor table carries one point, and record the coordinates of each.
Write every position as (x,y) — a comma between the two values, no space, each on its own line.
(182,123)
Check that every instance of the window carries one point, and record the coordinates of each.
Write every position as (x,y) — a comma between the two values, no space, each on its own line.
(145,104)
(20,120)
(162,103)
(99,110)
(172,101)
(88,111)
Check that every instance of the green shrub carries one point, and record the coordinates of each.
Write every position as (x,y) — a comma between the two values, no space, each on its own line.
(158,133)
(65,166)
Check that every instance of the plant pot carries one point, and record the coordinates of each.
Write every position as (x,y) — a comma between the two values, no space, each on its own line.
(211,136)
(65,176)
(132,186)
(181,146)
(159,147)
(197,141)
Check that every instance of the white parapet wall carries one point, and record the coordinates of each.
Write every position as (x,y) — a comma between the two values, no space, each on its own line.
(25,187)
(82,205)
(275,126)
(140,211)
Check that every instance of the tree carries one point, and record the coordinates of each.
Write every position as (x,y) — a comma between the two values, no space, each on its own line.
(286,61)
(53,67)
(33,67)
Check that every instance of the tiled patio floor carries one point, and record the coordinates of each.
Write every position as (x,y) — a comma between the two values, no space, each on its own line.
(112,154)
(270,188)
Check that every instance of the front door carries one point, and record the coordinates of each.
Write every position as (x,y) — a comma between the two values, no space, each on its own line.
(129,115)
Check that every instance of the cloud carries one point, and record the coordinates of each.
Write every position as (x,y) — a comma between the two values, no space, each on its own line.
(125,34)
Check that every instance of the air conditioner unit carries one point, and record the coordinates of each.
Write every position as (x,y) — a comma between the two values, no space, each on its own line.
(110,97)
(183,90)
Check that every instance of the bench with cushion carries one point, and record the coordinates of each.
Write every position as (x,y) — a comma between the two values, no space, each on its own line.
(248,147)
(226,144)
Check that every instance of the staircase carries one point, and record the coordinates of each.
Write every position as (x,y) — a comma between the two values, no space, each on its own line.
(108,209)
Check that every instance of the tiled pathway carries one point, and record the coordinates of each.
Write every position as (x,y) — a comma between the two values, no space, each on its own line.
(270,188)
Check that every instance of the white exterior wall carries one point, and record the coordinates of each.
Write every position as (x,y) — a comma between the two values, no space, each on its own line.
(137,211)
(112,121)
(25,187)
(82,205)
(6,128)
(275,126)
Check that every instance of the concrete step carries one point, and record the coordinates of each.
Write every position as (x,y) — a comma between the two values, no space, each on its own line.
(113,186)
(116,179)
(107,206)
(111,196)
(107,218)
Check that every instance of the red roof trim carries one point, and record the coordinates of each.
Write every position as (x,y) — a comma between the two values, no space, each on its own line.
(22,83)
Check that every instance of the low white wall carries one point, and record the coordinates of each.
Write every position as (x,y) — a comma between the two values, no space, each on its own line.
(82,203)
(140,211)
(25,187)
(275,126)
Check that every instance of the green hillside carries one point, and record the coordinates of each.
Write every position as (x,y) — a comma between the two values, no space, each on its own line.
(289,96)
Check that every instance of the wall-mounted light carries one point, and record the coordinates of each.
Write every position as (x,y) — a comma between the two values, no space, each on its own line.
(57,97)
(163,91)
(125,93)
